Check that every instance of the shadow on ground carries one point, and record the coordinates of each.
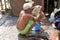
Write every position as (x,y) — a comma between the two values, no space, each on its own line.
(34,37)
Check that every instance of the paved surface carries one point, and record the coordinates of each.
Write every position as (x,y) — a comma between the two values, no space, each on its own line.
(8,30)
(8,33)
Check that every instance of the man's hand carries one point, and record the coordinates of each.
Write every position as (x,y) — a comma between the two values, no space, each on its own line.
(37,18)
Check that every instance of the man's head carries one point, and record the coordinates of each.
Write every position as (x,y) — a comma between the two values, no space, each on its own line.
(27,7)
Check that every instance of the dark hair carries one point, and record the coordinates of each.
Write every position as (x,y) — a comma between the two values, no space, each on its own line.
(57,14)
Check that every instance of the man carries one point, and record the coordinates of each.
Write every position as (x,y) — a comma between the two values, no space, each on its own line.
(24,17)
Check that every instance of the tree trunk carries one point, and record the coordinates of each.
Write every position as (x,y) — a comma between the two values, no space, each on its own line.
(16,5)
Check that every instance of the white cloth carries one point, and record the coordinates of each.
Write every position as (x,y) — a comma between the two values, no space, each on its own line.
(53,13)
(36,10)
(27,6)
(53,25)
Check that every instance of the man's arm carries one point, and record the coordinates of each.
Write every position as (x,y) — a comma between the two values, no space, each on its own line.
(33,17)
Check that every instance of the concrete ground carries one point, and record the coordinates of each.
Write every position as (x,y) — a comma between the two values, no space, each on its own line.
(8,33)
(8,30)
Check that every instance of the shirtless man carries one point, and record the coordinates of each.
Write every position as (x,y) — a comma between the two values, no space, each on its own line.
(25,16)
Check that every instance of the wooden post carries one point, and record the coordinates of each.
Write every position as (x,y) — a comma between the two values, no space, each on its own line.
(42,3)
(58,3)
